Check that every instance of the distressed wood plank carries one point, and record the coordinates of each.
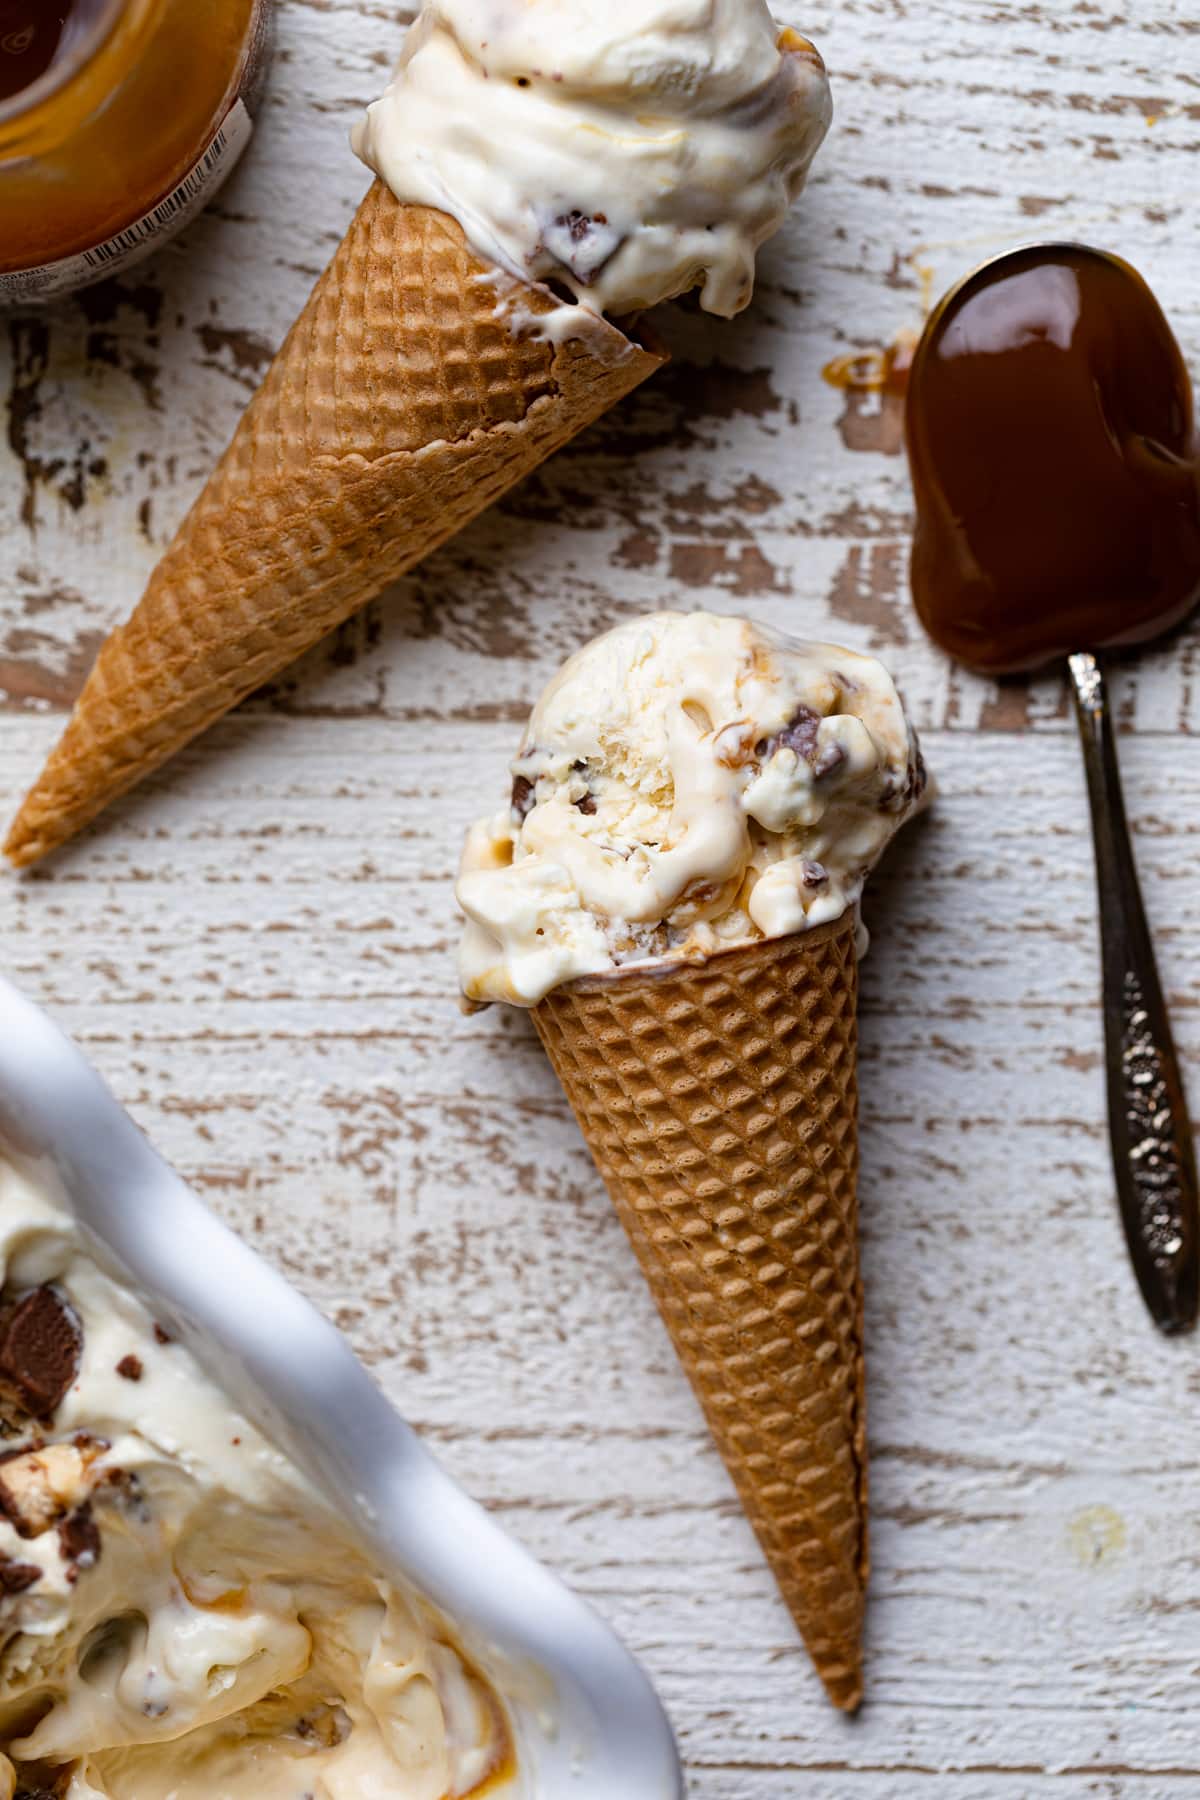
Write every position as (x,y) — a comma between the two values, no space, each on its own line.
(257,950)
(738,478)
(276,1004)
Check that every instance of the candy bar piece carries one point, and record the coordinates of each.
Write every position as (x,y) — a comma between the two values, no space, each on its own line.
(39,1487)
(41,1343)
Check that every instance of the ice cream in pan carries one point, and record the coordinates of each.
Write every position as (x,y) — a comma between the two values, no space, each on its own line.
(181,1617)
(548,170)
(673,887)
(228,1568)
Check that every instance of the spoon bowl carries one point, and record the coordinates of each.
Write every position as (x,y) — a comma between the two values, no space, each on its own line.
(1049,427)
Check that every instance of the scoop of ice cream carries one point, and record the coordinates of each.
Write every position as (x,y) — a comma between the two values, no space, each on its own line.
(686,783)
(181,1617)
(626,150)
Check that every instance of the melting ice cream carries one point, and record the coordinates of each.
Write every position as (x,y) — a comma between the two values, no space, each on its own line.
(625,150)
(181,1617)
(687,783)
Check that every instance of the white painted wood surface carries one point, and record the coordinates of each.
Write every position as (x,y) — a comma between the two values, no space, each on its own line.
(257,950)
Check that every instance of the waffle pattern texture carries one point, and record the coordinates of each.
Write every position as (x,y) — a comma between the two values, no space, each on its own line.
(719,1100)
(400,405)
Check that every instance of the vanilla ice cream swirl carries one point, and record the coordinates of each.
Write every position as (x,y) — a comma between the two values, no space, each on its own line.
(687,783)
(182,1615)
(624,150)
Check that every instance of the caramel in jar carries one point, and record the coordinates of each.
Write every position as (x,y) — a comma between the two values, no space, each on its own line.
(119,119)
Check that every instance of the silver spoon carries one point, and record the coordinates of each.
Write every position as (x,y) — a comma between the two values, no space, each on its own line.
(1153,1154)
(1049,429)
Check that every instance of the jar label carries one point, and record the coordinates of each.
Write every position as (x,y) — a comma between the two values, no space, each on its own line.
(173,212)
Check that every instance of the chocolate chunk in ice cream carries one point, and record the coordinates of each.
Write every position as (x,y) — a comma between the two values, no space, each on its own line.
(79,1540)
(580,243)
(830,758)
(799,734)
(586,803)
(903,794)
(40,1347)
(17,1576)
(327,1725)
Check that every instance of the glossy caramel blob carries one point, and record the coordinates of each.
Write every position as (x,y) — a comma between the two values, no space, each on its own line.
(1049,428)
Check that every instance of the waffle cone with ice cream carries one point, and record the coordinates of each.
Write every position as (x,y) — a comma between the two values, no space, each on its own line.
(673,892)
(542,169)
(400,405)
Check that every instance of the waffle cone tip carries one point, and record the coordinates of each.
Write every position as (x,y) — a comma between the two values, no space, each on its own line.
(843,1681)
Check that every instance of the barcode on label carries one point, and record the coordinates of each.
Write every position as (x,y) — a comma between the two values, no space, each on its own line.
(192,185)
(137,240)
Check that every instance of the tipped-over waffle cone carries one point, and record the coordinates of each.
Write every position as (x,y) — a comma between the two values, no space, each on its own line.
(719,1100)
(401,404)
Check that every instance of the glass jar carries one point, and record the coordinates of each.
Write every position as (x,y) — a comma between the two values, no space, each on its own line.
(119,120)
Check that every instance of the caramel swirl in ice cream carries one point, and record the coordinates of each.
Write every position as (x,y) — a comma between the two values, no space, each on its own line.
(686,783)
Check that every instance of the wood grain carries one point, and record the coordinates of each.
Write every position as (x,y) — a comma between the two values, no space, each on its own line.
(257,950)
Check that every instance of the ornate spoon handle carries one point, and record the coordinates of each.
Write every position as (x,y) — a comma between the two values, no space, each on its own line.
(1147,1112)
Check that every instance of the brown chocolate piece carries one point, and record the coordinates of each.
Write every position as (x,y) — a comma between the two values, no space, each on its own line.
(900,794)
(586,804)
(1049,427)
(16,1576)
(582,242)
(161,1335)
(79,1540)
(40,1781)
(131,1368)
(41,1342)
(799,734)
(522,797)
(121,1489)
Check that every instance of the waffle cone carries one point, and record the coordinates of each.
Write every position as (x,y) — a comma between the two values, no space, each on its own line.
(719,1100)
(401,404)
